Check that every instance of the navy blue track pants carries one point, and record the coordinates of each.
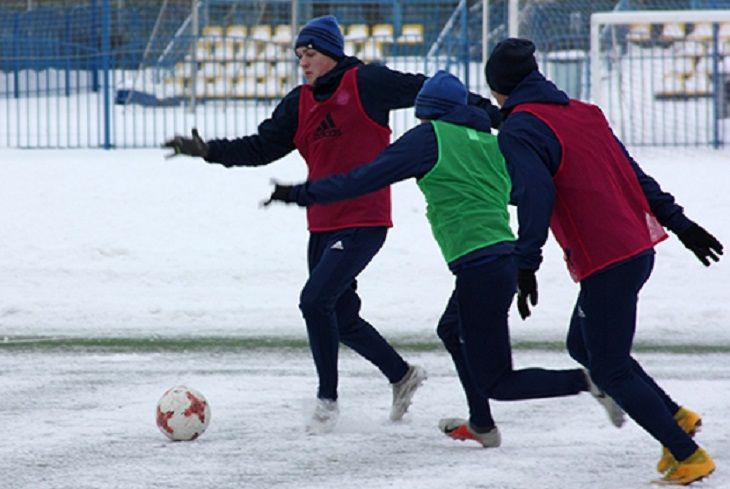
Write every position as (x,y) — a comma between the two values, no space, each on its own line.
(331,307)
(600,338)
(474,330)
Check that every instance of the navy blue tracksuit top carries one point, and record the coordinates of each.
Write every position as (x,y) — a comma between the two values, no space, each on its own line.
(535,159)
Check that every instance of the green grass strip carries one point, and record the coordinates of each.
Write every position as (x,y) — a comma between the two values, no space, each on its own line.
(233,344)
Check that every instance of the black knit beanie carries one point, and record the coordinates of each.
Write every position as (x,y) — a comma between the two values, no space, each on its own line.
(510,62)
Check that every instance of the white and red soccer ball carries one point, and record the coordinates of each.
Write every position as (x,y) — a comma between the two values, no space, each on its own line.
(182,413)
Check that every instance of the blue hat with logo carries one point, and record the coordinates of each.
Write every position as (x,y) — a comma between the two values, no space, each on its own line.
(439,95)
(324,35)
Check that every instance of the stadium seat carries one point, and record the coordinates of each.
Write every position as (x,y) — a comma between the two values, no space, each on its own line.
(673,31)
(184,69)
(350,48)
(282,34)
(283,69)
(259,69)
(371,50)
(203,87)
(704,65)
(724,32)
(357,33)
(702,32)
(233,69)
(220,87)
(237,31)
(213,31)
(269,87)
(272,51)
(697,84)
(203,49)
(211,69)
(725,63)
(382,32)
(261,32)
(236,88)
(691,48)
(673,84)
(223,49)
(245,87)
(411,34)
(174,85)
(236,36)
(639,33)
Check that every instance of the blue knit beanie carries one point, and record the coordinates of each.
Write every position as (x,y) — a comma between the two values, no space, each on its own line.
(510,62)
(324,35)
(439,95)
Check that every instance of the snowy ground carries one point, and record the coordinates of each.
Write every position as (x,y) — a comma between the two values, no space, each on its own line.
(78,420)
(124,274)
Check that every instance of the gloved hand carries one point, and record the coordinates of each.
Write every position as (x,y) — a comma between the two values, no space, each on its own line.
(526,288)
(701,243)
(194,146)
(280,193)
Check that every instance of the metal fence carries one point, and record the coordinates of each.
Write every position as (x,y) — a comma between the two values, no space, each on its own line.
(110,73)
(130,73)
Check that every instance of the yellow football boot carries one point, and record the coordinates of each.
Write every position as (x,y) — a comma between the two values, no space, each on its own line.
(690,422)
(692,469)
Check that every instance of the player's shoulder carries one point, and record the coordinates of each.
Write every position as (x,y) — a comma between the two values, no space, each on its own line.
(291,99)
(375,70)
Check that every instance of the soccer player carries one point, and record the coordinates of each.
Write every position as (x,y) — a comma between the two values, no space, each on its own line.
(572,175)
(337,121)
(463,177)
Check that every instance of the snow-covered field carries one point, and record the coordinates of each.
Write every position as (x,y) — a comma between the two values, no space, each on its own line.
(124,273)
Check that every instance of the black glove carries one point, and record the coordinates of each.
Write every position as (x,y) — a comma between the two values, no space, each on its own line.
(194,146)
(526,288)
(280,193)
(701,243)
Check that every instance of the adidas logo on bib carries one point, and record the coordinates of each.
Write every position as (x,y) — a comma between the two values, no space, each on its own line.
(327,129)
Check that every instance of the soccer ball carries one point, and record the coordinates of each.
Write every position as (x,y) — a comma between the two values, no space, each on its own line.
(182,413)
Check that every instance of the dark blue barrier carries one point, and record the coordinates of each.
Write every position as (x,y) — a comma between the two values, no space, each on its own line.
(135,97)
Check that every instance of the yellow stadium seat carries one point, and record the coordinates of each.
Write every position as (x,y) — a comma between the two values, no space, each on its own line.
(357,32)
(724,32)
(639,33)
(237,31)
(673,31)
(372,50)
(411,34)
(382,32)
(702,32)
(213,31)
(261,32)
(282,34)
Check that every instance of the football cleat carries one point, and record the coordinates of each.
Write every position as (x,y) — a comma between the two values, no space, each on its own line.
(690,422)
(460,429)
(404,389)
(692,469)
(614,411)
(323,418)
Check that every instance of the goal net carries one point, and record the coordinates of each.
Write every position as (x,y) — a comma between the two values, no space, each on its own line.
(662,77)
